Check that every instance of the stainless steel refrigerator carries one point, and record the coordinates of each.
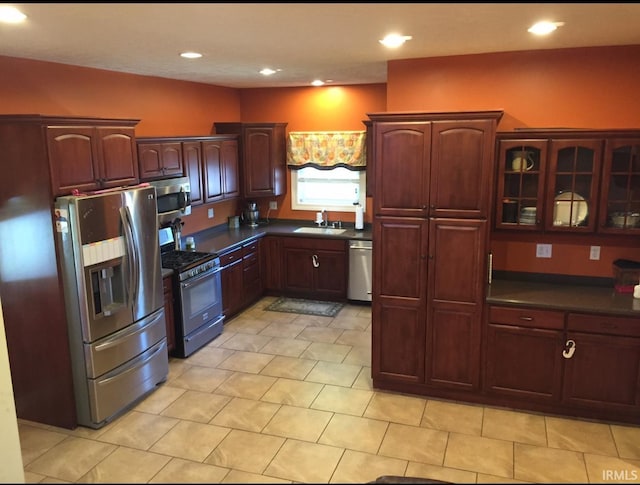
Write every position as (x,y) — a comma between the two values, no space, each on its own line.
(110,260)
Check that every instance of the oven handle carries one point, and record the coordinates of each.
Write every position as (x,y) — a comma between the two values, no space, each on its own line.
(195,279)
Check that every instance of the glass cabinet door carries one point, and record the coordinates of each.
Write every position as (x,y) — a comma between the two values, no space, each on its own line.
(574,168)
(620,199)
(521,174)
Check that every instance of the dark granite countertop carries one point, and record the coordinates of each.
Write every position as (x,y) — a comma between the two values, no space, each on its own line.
(221,238)
(590,299)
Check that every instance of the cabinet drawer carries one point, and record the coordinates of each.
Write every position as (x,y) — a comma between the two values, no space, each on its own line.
(604,324)
(249,248)
(249,259)
(314,243)
(230,257)
(527,317)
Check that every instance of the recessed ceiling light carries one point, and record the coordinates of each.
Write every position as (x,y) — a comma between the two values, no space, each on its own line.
(394,40)
(268,71)
(191,55)
(317,82)
(544,27)
(11,15)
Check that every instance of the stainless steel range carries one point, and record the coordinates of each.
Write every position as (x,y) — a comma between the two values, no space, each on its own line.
(197,289)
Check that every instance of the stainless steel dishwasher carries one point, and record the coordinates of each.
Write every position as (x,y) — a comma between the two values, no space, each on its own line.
(360,270)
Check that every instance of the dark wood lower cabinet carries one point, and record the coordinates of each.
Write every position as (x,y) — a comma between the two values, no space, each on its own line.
(241,277)
(537,359)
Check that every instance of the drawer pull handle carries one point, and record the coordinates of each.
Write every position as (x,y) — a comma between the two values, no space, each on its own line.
(527,319)
(569,349)
(314,260)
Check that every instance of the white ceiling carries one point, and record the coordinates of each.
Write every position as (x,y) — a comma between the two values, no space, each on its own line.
(305,40)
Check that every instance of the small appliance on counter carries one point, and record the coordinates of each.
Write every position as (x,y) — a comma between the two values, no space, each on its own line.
(251,214)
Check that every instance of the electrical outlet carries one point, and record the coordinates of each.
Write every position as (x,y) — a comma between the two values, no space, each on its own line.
(594,254)
(210,213)
(543,250)
(273,205)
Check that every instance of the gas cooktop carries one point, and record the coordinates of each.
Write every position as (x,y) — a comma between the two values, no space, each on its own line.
(179,260)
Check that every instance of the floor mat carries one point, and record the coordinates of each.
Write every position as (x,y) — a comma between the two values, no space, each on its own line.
(305,307)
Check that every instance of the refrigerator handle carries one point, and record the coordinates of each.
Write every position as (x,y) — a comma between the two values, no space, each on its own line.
(134,275)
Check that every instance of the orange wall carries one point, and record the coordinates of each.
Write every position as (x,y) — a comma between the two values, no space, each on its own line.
(577,88)
(326,108)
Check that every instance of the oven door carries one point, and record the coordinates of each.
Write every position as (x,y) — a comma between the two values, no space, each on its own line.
(201,298)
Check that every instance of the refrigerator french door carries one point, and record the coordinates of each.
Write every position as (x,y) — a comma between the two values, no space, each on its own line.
(110,260)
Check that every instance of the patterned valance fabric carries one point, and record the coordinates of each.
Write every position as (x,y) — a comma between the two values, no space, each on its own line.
(327,149)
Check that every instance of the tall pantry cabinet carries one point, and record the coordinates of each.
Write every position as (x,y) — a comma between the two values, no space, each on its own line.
(433,174)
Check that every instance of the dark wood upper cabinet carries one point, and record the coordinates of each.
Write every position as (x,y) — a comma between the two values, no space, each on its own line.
(262,148)
(91,157)
(159,158)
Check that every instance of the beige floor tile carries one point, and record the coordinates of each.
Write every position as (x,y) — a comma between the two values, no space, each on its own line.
(236,476)
(481,455)
(282,329)
(396,408)
(246,362)
(177,367)
(126,465)
(342,400)
(190,440)
(71,459)
(281,317)
(199,378)
(334,373)
(607,469)
(285,346)
(196,406)
(246,324)
(358,467)
(246,414)
(627,440)
(354,433)
(304,462)
(289,367)
(326,352)
(30,477)
(413,443)
(245,451)
(138,430)
(313,321)
(298,423)
(210,356)
(350,322)
(292,392)
(249,386)
(508,425)
(364,381)
(220,339)
(484,478)
(185,471)
(434,472)
(160,399)
(246,342)
(451,416)
(355,337)
(576,435)
(320,334)
(359,355)
(540,464)
(35,441)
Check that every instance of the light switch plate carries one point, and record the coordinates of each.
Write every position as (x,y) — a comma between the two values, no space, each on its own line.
(273,205)
(594,253)
(210,213)
(543,250)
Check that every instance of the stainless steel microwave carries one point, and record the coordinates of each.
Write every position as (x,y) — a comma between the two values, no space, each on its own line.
(173,197)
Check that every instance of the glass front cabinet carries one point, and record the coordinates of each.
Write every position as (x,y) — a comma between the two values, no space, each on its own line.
(555,182)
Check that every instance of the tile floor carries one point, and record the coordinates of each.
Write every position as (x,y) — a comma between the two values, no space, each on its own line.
(287,398)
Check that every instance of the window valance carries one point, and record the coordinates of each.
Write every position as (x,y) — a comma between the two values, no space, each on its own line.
(327,149)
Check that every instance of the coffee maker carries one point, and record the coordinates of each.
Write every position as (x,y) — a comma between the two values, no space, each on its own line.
(251,214)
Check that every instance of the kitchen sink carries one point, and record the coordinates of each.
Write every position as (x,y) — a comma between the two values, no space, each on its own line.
(320,230)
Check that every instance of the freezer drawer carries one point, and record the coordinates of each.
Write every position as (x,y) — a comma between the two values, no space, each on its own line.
(360,270)
(117,390)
